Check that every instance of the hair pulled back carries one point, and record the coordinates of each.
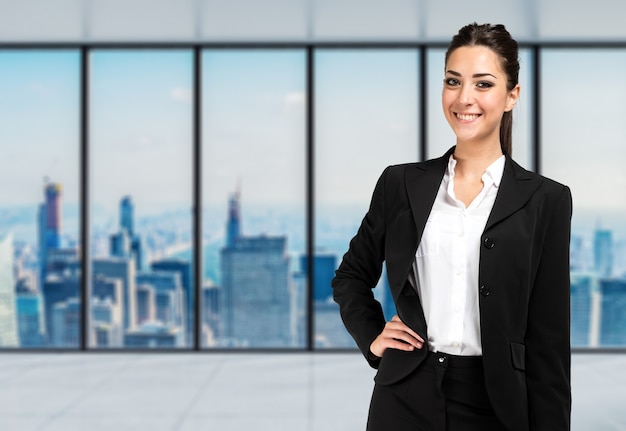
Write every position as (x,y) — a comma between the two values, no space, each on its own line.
(499,40)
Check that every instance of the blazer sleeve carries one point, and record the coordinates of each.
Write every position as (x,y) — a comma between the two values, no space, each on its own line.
(548,353)
(359,273)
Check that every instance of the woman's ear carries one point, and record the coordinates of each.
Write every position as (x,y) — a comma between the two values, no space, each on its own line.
(512,98)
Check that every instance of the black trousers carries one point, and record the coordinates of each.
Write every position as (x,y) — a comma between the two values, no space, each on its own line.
(445,393)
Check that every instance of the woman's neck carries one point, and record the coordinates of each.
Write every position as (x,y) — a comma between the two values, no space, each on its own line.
(472,160)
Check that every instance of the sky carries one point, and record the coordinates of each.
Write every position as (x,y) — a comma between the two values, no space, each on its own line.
(254,129)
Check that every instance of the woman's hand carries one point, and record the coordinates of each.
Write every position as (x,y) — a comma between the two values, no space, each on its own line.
(396,335)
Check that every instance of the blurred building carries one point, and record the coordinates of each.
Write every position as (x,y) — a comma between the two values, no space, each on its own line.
(107,312)
(123,269)
(8,317)
(324,265)
(154,335)
(58,289)
(603,252)
(30,313)
(125,242)
(66,323)
(106,323)
(183,268)
(211,312)
(613,312)
(168,297)
(146,303)
(581,288)
(255,297)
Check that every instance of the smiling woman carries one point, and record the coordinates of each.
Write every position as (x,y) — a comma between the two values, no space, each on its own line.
(481,336)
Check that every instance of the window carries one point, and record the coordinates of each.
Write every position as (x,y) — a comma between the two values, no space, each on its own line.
(255,271)
(366,118)
(141,180)
(253,190)
(582,146)
(40,274)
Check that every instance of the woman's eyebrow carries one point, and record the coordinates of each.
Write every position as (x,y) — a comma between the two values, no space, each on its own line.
(476,75)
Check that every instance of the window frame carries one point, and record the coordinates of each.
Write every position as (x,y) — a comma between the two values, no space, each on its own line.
(534,48)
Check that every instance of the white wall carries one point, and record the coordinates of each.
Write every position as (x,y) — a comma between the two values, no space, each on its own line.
(192,21)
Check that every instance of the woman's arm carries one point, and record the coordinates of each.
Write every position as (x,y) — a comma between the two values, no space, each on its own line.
(548,354)
(359,273)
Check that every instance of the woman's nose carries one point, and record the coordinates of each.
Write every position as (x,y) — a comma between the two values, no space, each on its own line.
(466,95)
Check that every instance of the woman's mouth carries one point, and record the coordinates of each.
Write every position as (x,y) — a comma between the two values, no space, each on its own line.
(467,117)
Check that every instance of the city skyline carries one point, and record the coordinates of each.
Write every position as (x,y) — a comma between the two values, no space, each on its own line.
(594,264)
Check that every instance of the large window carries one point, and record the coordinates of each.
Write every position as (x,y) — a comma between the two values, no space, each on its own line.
(253,190)
(245,112)
(366,118)
(40,273)
(141,177)
(583,137)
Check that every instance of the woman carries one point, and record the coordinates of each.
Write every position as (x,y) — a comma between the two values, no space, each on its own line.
(477,256)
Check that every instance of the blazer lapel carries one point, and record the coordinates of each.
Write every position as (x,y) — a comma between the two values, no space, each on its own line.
(516,188)
(422,184)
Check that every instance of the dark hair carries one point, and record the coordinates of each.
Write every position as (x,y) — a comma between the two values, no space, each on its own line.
(499,40)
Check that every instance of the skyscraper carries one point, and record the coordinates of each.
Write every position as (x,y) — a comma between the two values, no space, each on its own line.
(66,323)
(49,225)
(325,265)
(169,297)
(30,313)
(581,311)
(233,225)
(613,312)
(127,215)
(8,317)
(53,215)
(255,297)
(106,324)
(125,243)
(603,252)
(211,311)
(183,268)
(107,311)
(146,303)
(123,269)
(58,289)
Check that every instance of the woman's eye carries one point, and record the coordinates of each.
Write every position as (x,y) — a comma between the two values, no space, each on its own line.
(484,84)
(451,81)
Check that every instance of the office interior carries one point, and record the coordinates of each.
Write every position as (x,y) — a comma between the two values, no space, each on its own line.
(180,178)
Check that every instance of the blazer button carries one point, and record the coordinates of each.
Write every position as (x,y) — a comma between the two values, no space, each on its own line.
(488,243)
(484,291)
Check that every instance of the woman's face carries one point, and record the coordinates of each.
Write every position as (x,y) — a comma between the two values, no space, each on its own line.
(475,94)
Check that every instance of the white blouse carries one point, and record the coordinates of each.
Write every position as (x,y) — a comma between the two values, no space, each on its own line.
(446,264)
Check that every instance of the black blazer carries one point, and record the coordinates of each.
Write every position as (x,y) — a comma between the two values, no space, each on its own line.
(523,278)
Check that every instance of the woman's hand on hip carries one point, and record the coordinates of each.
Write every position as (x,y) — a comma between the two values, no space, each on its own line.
(396,335)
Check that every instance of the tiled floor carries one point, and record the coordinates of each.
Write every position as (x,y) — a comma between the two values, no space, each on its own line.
(263,392)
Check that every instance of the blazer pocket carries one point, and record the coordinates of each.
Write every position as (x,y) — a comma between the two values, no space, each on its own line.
(518,356)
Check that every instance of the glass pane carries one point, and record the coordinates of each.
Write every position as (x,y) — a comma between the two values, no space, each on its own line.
(141,199)
(39,212)
(441,137)
(253,185)
(583,137)
(366,115)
